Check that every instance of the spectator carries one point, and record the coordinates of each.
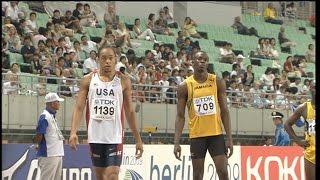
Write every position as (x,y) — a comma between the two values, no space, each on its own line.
(6,25)
(297,84)
(311,54)
(273,53)
(256,91)
(110,17)
(283,40)
(90,64)
(305,87)
(239,60)
(233,93)
(69,20)
(180,39)
(56,18)
(283,77)
(122,36)
(13,40)
(88,45)
(40,87)
(242,29)
(290,11)
(77,13)
(13,12)
(66,46)
(5,56)
(36,66)
(89,18)
(275,86)
(32,24)
(160,28)
(301,65)
(12,86)
(14,70)
(168,16)
(154,93)
(270,15)
(27,50)
(164,83)
(42,35)
(290,69)
(60,66)
(267,78)
(226,78)
(226,53)
(173,63)
(189,28)
(269,101)
(171,92)
(22,28)
(108,39)
(248,76)
(147,34)
(47,68)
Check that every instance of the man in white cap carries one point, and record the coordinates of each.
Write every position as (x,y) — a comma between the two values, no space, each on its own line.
(239,61)
(49,140)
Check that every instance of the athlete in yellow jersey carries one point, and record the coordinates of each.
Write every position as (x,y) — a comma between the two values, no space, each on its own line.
(307,111)
(205,97)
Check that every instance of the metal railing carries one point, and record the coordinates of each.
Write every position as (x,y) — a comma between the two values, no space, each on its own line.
(149,98)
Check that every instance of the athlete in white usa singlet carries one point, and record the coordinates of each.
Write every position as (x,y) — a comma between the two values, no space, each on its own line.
(107,94)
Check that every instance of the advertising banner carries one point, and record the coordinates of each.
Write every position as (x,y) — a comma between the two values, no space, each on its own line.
(19,162)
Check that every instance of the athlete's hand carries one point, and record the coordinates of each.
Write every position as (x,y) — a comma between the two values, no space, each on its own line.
(177,151)
(139,150)
(229,146)
(73,141)
(303,143)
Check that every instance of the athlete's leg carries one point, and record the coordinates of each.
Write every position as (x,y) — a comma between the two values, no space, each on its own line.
(198,150)
(218,152)
(101,173)
(221,163)
(113,172)
(198,168)
(309,170)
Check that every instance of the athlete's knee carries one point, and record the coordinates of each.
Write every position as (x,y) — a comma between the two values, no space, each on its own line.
(113,176)
(197,175)
(222,173)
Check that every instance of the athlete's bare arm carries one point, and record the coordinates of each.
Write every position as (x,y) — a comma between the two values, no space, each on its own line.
(300,111)
(130,113)
(225,117)
(182,95)
(78,109)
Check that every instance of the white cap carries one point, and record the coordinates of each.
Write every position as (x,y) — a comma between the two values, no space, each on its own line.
(154,52)
(240,56)
(51,97)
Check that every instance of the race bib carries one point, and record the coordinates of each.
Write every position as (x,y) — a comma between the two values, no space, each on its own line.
(312,128)
(204,105)
(104,109)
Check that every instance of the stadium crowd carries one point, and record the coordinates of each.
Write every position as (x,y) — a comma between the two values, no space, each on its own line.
(54,51)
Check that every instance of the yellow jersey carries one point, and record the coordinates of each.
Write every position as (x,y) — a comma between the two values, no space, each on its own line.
(310,134)
(203,107)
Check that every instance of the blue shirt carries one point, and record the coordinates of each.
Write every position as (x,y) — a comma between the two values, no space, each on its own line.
(42,129)
(281,136)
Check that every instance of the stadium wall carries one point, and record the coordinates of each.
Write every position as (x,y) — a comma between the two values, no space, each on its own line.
(158,163)
(22,112)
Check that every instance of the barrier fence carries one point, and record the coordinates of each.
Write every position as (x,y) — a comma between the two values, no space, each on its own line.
(155,110)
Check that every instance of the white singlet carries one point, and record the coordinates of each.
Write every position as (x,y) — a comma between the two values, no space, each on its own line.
(105,113)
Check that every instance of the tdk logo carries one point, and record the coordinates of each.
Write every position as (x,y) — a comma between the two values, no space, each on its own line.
(132,175)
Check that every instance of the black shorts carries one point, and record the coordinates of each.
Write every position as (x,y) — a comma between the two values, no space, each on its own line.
(214,144)
(105,155)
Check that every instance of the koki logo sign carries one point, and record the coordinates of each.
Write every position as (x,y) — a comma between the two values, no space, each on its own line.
(268,163)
